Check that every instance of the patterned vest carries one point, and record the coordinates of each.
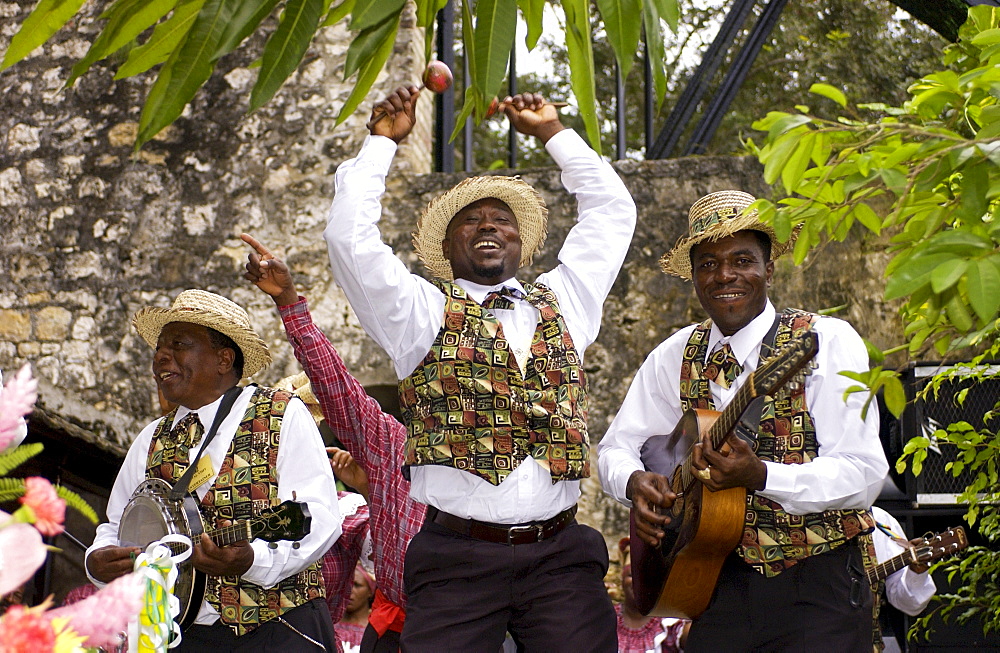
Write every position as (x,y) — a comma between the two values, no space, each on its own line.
(245,487)
(774,540)
(468,406)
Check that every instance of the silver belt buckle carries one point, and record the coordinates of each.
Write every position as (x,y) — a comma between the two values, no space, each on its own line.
(513,530)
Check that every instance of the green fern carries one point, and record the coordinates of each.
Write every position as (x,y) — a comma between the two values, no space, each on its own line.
(11,488)
(75,501)
(18,456)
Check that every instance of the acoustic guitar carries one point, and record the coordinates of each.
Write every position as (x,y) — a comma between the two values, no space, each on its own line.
(151,514)
(677,578)
(930,549)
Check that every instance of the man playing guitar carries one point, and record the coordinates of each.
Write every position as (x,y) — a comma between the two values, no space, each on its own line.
(257,596)
(810,463)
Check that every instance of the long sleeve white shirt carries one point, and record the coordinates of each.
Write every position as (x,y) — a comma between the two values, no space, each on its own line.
(404,313)
(906,589)
(849,469)
(302,467)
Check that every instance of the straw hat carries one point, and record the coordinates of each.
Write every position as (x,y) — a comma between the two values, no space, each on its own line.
(523,200)
(716,216)
(298,384)
(212,311)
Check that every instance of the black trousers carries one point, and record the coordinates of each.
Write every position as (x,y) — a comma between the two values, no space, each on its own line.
(465,594)
(823,603)
(311,619)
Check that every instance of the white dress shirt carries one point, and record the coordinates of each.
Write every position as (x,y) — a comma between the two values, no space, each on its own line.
(404,313)
(906,589)
(850,466)
(302,467)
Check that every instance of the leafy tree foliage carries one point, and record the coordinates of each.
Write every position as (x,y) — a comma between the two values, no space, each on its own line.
(185,39)
(934,160)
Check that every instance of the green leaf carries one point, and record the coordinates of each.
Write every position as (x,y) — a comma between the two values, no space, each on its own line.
(338,13)
(14,458)
(913,274)
(369,70)
(894,395)
(285,48)
(126,20)
(245,20)
(45,19)
(427,11)
(776,156)
(623,26)
(830,92)
(185,70)
(164,40)
(791,173)
(76,502)
(668,10)
(467,106)
(975,190)
(986,37)
(958,313)
(532,11)
(984,288)
(947,274)
(786,124)
(581,65)
(366,44)
(368,13)
(655,52)
(496,24)
(867,217)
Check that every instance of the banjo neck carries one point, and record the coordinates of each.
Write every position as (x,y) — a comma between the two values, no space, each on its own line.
(232,534)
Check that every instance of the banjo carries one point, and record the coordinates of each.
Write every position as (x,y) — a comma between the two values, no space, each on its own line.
(151,515)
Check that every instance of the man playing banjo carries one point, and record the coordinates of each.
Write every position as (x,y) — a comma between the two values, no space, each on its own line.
(258,596)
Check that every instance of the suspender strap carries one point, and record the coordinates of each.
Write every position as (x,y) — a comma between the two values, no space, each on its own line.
(228,399)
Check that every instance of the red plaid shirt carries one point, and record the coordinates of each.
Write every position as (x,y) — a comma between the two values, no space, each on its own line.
(375,440)
(339,562)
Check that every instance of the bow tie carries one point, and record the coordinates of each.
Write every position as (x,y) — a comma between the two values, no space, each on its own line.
(501,299)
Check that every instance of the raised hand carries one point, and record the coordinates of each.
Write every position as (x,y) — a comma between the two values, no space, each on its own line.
(348,470)
(268,273)
(530,114)
(395,116)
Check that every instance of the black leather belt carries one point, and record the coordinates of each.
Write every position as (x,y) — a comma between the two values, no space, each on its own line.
(503,533)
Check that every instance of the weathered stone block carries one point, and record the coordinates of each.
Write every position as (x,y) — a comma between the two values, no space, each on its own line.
(15,325)
(52,323)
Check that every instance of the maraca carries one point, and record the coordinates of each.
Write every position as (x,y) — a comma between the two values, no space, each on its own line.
(437,79)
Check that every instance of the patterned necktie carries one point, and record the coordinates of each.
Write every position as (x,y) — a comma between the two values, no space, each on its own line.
(501,299)
(188,431)
(723,367)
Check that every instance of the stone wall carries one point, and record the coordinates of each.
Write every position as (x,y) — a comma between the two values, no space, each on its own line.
(92,233)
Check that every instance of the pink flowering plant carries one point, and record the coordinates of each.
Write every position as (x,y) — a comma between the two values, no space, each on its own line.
(94,622)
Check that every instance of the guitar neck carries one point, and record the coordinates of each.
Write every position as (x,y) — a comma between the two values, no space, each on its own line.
(725,422)
(883,570)
(232,534)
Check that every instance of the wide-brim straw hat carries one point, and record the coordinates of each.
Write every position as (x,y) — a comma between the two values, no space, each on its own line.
(523,200)
(714,216)
(212,311)
(299,385)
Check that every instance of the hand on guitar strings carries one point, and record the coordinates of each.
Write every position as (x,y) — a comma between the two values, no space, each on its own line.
(231,560)
(733,465)
(652,498)
(109,562)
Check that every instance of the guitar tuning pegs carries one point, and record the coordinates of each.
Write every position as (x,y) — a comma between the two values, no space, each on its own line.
(295,545)
(272,545)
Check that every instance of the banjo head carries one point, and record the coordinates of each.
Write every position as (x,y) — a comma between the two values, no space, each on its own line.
(149,516)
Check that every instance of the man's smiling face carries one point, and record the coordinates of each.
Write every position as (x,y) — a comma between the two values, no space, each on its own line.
(731,276)
(483,243)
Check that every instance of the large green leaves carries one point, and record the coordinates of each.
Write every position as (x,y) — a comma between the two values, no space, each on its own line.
(581,65)
(427,11)
(493,37)
(532,12)
(285,48)
(163,41)
(367,57)
(623,24)
(45,20)
(186,69)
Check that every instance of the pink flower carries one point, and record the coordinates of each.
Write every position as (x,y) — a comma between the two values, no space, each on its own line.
(26,631)
(22,552)
(101,616)
(16,400)
(49,510)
